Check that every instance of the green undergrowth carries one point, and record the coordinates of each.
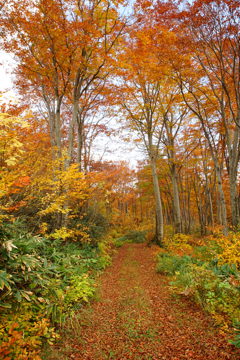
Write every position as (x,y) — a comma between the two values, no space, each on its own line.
(43,282)
(133,236)
(211,284)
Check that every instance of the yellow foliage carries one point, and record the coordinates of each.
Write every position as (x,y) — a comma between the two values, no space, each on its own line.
(178,243)
(60,189)
(10,146)
(230,249)
(23,334)
(73,234)
(43,228)
(11,152)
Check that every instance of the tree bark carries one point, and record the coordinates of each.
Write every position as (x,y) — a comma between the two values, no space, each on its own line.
(222,202)
(234,196)
(176,202)
(158,202)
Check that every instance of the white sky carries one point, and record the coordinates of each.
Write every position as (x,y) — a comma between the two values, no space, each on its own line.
(6,75)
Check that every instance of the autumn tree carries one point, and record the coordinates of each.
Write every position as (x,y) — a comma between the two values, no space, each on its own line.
(145,97)
(101,33)
(11,151)
(211,91)
(174,115)
(43,71)
(65,51)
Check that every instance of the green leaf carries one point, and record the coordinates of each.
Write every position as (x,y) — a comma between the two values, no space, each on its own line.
(5,280)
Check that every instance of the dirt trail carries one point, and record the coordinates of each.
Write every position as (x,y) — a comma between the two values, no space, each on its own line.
(136,317)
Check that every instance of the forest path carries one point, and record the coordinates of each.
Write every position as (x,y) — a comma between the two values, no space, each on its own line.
(136,317)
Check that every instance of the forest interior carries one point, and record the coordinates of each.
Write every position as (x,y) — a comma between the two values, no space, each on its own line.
(132,251)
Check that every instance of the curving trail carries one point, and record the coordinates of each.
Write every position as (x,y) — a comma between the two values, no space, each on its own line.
(136,317)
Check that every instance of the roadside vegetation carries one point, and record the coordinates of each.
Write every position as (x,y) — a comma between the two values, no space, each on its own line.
(206,270)
(43,283)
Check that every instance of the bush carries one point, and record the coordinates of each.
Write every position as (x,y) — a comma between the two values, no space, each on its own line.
(229,249)
(23,332)
(170,264)
(208,290)
(95,223)
(81,289)
(206,253)
(136,236)
(224,271)
(210,276)
(41,279)
(178,243)
(236,340)
(133,236)
(213,286)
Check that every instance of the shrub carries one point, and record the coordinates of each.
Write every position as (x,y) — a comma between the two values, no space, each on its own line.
(23,332)
(170,264)
(229,249)
(131,237)
(178,243)
(114,233)
(208,290)
(95,223)
(224,271)
(206,252)
(41,279)
(236,340)
(136,236)
(214,286)
(81,289)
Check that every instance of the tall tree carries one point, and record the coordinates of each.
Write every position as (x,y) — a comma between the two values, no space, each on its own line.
(65,50)
(173,118)
(145,99)
(212,37)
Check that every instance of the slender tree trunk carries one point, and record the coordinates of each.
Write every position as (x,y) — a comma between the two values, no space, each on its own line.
(54,119)
(55,135)
(173,171)
(176,202)
(234,197)
(211,208)
(209,204)
(52,133)
(71,134)
(200,207)
(233,149)
(141,210)
(158,202)
(222,203)
(80,144)
(189,208)
(58,134)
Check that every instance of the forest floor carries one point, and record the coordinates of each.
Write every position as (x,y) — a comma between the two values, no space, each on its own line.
(136,316)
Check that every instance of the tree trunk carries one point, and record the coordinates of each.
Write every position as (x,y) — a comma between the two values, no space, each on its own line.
(222,203)
(233,149)
(211,208)
(71,134)
(158,202)
(234,197)
(80,144)
(176,202)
